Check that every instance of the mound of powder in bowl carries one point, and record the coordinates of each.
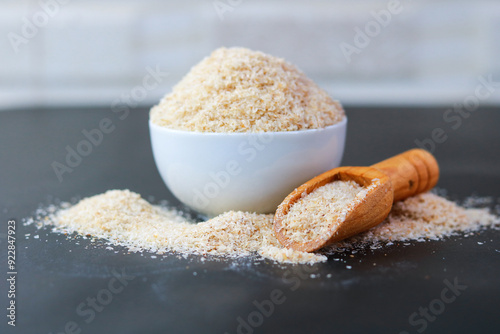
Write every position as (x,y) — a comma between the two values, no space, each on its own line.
(239,90)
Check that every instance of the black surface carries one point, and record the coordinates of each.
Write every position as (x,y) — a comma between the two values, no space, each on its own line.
(378,295)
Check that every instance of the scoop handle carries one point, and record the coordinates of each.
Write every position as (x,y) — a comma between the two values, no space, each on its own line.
(411,172)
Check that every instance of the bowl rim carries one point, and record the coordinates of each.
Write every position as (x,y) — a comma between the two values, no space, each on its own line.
(164,129)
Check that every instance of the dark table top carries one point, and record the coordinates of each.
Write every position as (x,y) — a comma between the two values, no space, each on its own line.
(71,286)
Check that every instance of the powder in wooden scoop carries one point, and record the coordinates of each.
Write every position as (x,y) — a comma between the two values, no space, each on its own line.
(324,208)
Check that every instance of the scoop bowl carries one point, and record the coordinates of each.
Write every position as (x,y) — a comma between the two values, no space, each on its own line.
(399,177)
(369,208)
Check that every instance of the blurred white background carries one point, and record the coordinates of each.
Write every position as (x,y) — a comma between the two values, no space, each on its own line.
(363,52)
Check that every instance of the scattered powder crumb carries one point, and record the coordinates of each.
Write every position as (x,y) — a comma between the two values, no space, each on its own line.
(313,215)
(423,217)
(124,218)
(475,201)
(281,254)
(36,236)
(239,90)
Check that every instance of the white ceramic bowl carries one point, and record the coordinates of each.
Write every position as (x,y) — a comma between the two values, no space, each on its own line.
(216,172)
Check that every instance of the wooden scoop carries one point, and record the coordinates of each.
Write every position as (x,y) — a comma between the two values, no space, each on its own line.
(404,175)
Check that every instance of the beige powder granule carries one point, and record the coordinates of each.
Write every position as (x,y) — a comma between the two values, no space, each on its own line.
(124,218)
(423,217)
(315,213)
(239,90)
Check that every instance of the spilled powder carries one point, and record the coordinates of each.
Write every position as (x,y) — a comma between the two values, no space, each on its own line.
(422,217)
(315,213)
(123,218)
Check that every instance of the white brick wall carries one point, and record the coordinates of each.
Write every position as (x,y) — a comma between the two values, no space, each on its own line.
(89,52)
